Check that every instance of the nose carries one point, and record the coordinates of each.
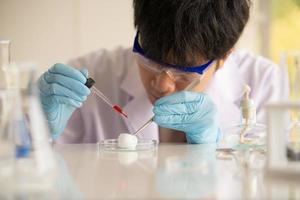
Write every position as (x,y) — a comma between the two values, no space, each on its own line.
(163,83)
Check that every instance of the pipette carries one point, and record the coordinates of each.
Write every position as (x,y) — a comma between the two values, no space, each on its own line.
(190,87)
(90,84)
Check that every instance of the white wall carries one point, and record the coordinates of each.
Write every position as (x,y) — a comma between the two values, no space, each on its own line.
(50,31)
(256,36)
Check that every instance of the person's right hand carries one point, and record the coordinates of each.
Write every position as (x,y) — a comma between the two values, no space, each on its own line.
(62,90)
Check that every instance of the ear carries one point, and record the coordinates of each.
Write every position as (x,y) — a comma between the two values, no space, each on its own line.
(222,61)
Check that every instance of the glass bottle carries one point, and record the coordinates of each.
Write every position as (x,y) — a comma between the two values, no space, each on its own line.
(249,133)
(4,60)
(35,164)
(290,61)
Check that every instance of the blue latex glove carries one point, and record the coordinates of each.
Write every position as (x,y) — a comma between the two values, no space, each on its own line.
(191,112)
(62,90)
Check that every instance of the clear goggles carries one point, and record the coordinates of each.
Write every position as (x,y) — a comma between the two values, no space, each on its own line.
(180,74)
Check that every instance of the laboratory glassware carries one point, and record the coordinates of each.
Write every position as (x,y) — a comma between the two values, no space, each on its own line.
(243,141)
(35,164)
(4,52)
(7,144)
(19,119)
(112,145)
(248,133)
(290,61)
(4,60)
(282,160)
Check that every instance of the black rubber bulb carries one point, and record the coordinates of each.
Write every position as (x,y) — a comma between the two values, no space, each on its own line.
(89,82)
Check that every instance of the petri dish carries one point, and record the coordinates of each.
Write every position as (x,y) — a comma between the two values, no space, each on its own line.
(112,145)
(255,135)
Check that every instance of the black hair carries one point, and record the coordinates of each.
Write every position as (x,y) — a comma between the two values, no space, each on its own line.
(181,31)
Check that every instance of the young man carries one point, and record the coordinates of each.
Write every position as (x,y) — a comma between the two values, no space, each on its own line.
(177,42)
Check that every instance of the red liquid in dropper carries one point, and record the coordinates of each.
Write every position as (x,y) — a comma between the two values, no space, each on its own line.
(119,110)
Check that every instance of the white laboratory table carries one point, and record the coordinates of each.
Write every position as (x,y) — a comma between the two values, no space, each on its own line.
(172,171)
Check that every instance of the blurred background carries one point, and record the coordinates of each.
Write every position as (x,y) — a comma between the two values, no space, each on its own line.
(50,31)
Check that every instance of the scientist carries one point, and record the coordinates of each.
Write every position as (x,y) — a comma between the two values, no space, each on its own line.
(177,41)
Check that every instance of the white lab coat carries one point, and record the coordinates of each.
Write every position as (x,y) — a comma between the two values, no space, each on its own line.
(116,75)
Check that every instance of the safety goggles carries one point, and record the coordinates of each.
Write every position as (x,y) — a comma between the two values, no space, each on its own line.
(176,72)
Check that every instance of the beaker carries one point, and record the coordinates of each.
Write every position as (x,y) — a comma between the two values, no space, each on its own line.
(7,144)
(20,118)
(28,109)
(35,164)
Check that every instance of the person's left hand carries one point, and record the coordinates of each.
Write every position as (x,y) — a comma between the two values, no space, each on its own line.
(191,112)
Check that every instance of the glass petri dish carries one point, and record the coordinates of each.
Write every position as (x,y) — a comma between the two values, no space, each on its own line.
(112,145)
(255,134)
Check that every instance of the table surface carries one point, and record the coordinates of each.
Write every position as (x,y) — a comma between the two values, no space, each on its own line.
(171,171)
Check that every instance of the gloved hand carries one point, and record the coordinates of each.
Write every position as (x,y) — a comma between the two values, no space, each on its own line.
(62,90)
(191,112)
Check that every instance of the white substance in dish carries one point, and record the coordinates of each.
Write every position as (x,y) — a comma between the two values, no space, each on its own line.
(127,141)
